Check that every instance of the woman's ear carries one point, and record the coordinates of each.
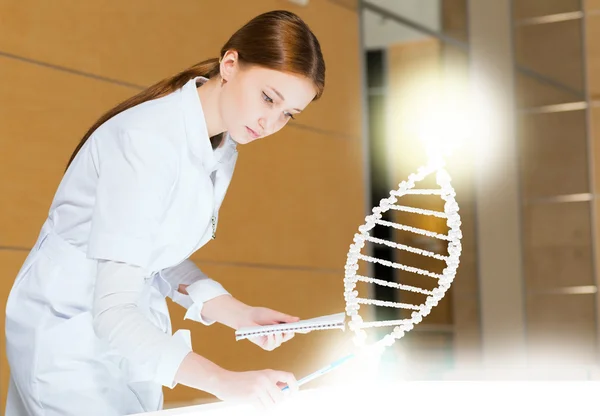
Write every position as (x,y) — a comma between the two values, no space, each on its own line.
(229,65)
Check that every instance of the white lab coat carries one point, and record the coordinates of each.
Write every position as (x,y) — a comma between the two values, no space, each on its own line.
(144,190)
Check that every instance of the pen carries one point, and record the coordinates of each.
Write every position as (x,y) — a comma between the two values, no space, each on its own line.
(322,371)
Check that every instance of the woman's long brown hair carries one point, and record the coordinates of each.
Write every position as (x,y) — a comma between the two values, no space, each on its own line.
(277,40)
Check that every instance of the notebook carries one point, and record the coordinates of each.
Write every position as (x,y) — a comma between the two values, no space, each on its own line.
(335,321)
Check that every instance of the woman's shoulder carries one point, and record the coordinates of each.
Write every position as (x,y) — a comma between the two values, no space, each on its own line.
(160,115)
(158,121)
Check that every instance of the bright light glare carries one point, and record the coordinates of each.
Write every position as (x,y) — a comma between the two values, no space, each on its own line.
(433,116)
(442,118)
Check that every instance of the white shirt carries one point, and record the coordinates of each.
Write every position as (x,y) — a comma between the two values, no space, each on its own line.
(144,194)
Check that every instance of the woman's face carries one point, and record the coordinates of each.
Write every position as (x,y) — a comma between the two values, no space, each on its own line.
(257,102)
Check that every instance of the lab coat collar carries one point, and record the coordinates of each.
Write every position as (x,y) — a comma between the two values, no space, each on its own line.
(197,131)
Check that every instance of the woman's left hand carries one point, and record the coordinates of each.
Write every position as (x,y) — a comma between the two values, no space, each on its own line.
(264,316)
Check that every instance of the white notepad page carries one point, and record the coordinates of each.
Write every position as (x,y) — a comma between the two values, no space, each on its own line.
(335,321)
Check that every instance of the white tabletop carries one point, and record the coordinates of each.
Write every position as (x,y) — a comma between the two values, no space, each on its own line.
(426,398)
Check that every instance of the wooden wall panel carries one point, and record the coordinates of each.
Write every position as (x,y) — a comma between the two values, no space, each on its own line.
(531,92)
(44,114)
(296,199)
(553,150)
(595,135)
(557,246)
(454,16)
(523,9)
(592,33)
(553,50)
(141,42)
(591,5)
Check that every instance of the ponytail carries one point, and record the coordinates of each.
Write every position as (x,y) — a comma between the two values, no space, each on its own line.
(207,69)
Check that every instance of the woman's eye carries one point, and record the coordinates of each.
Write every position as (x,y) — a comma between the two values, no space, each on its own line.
(290,115)
(267,98)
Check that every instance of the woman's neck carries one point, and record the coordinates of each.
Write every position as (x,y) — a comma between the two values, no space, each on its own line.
(210,94)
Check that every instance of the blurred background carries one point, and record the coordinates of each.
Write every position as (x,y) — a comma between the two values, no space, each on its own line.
(511,85)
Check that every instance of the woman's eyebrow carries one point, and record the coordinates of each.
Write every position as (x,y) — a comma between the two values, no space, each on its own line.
(281,97)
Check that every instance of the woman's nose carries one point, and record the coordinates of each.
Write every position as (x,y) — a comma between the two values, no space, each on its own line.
(266,125)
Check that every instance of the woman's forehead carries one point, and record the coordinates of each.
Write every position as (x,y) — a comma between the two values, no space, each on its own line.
(289,87)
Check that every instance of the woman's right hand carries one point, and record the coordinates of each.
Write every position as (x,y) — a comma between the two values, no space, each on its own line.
(262,388)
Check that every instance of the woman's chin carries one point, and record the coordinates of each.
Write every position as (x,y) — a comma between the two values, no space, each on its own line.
(241,138)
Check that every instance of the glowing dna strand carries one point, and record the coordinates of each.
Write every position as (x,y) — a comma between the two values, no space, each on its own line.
(444,279)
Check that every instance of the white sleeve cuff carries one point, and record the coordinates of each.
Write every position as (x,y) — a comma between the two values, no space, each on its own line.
(201,292)
(178,347)
(181,299)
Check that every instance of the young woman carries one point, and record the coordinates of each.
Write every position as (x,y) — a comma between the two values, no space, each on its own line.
(87,326)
